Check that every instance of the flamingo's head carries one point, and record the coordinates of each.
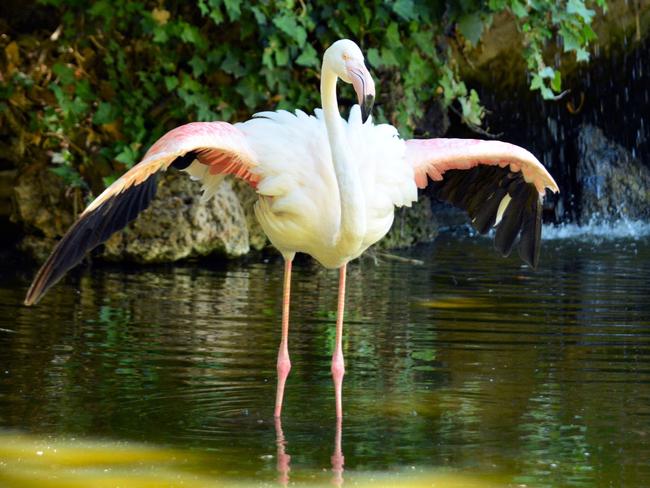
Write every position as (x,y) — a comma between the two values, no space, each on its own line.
(346,60)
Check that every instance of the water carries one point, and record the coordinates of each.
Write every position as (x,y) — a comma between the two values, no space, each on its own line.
(464,370)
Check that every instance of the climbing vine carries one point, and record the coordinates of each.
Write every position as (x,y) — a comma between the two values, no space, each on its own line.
(94,88)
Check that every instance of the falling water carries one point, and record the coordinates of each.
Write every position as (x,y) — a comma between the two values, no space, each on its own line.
(612,93)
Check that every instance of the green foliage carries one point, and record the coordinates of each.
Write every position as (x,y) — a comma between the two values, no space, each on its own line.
(123,72)
(539,21)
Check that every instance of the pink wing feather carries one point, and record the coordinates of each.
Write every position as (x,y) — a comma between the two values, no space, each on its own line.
(497,183)
(219,145)
(432,157)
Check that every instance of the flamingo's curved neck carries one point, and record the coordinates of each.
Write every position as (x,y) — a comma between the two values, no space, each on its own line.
(353,210)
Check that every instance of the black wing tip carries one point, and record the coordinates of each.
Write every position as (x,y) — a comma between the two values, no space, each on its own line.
(531,261)
(42,282)
(32,299)
(89,231)
(479,192)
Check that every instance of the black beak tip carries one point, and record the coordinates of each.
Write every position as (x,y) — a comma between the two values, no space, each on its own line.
(366,107)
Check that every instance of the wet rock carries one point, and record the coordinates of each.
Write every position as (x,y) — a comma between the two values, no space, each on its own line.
(612,183)
(179,225)
(176,226)
(44,207)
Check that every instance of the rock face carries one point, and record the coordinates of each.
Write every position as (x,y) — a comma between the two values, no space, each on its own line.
(613,184)
(177,225)
(44,207)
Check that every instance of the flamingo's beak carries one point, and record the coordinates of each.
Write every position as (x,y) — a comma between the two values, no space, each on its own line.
(364,86)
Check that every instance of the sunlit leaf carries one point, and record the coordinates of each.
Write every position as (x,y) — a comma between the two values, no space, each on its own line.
(556,83)
(518,8)
(578,7)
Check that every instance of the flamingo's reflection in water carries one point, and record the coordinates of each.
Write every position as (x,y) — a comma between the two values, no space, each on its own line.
(284,459)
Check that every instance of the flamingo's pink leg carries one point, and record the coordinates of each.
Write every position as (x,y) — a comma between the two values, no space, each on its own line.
(284,364)
(338,367)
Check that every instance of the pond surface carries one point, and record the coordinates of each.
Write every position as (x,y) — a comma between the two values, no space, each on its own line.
(464,369)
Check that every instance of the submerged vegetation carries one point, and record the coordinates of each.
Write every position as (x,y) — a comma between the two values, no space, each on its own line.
(89,91)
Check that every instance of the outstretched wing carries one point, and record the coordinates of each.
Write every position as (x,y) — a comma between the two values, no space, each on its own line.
(497,183)
(206,150)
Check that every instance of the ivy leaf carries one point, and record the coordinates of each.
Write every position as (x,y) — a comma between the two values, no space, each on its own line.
(109,180)
(250,92)
(105,114)
(556,82)
(373,57)
(352,23)
(69,175)
(582,55)
(216,16)
(392,35)
(203,8)
(198,64)
(518,9)
(497,5)
(282,57)
(471,27)
(84,91)
(388,57)
(536,82)
(577,7)
(128,155)
(232,64)
(571,41)
(171,82)
(472,111)
(102,8)
(64,72)
(289,26)
(405,9)
(308,57)
(260,18)
(547,72)
(233,9)
(418,69)
(191,34)
(160,34)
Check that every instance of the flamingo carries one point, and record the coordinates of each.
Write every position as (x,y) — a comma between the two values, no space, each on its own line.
(327,187)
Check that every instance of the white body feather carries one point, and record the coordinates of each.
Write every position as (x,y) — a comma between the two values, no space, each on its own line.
(299,206)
